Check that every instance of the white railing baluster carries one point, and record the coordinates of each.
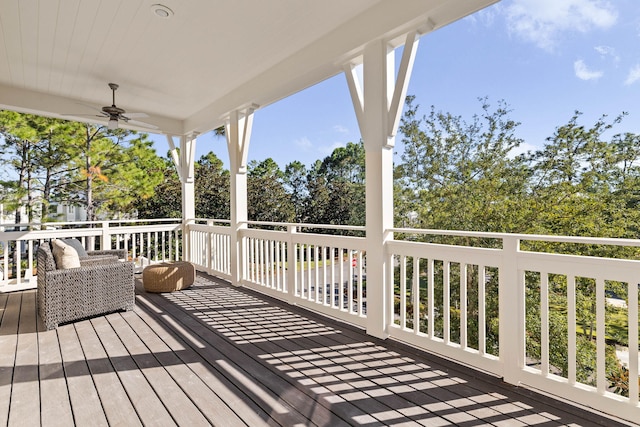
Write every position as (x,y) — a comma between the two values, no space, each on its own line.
(325,300)
(352,309)
(300,272)
(334,286)
(149,246)
(463,305)
(5,257)
(263,262)
(446,304)
(544,322)
(28,274)
(18,263)
(277,270)
(282,272)
(600,337)
(292,283)
(272,264)
(359,284)
(632,305)
(403,292)
(482,311)
(571,329)
(415,294)
(316,254)
(307,264)
(430,298)
(343,291)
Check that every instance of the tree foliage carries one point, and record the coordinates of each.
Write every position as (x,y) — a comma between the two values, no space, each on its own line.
(55,161)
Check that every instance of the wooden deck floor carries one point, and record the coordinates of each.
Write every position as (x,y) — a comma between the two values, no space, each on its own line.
(219,355)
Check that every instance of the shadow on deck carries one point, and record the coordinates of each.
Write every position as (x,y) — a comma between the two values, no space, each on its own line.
(220,355)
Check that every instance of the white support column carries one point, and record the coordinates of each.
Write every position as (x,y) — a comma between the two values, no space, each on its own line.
(174,156)
(378,104)
(511,312)
(185,165)
(238,133)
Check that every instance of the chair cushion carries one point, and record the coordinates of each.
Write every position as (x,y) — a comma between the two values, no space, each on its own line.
(77,245)
(65,256)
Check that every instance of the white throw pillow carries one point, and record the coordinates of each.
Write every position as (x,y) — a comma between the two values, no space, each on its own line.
(65,255)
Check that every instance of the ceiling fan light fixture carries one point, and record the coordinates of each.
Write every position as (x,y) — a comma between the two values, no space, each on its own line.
(113,124)
(161,11)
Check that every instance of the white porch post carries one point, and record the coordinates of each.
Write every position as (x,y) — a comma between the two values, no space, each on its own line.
(185,162)
(378,104)
(238,133)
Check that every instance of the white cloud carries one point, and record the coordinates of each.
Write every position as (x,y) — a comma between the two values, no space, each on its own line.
(607,51)
(584,73)
(340,129)
(633,76)
(543,21)
(303,143)
(486,16)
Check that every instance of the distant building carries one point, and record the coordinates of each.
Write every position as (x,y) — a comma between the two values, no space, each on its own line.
(58,212)
(67,213)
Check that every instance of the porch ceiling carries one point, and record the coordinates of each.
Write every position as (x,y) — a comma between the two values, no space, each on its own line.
(189,70)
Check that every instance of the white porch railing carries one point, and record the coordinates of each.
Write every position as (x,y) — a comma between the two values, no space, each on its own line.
(155,240)
(507,275)
(448,298)
(474,299)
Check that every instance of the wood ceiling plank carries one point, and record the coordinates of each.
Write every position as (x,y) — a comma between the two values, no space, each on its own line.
(46,30)
(4,59)
(10,17)
(29,27)
(67,15)
(83,22)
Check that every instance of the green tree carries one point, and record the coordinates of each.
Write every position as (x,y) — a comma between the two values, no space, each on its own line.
(574,181)
(295,181)
(37,151)
(167,199)
(114,168)
(266,195)
(335,188)
(211,188)
(449,165)
(317,207)
(344,171)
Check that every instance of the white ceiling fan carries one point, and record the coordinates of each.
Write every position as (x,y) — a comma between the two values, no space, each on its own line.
(116,114)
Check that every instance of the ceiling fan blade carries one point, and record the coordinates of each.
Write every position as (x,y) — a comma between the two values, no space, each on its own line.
(142,124)
(101,116)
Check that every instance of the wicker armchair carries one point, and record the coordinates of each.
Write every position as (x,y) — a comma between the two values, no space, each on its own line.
(100,285)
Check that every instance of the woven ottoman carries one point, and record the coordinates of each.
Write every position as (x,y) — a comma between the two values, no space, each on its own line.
(168,276)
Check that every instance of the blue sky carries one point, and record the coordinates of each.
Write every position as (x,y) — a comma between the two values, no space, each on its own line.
(545,58)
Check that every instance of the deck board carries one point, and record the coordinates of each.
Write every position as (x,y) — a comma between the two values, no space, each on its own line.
(118,408)
(56,406)
(25,393)
(8,345)
(219,355)
(176,402)
(181,370)
(83,395)
(149,407)
(264,387)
